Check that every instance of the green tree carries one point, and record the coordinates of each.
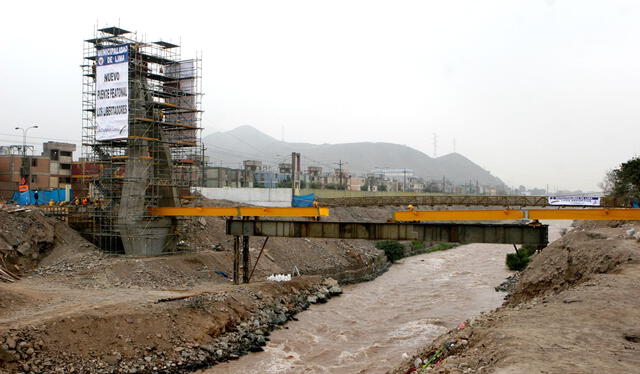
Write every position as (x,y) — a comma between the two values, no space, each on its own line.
(623,181)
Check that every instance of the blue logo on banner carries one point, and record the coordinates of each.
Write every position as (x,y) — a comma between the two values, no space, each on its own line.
(113,55)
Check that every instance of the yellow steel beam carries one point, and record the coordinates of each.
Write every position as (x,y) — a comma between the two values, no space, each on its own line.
(587,214)
(458,215)
(241,212)
(621,214)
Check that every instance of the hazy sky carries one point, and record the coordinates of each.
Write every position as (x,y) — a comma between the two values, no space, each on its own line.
(538,92)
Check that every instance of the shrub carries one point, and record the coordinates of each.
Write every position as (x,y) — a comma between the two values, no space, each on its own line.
(515,262)
(196,302)
(392,249)
(417,245)
(519,260)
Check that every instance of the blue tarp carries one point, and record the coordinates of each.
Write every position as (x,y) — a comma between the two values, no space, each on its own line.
(28,197)
(303,201)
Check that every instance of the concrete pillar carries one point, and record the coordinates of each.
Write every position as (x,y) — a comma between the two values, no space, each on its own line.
(148,179)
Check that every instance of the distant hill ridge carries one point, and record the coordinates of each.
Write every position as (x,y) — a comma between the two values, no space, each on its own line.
(230,148)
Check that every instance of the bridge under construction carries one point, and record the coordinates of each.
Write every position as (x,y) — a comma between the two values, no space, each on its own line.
(409,224)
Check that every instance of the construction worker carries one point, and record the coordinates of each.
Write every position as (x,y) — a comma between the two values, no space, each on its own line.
(51,202)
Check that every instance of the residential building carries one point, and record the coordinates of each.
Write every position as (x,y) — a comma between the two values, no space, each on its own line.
(50,170)
(218,176)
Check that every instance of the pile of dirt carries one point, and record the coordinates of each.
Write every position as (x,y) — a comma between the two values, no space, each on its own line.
(589,249)
(574,309)
(27,237)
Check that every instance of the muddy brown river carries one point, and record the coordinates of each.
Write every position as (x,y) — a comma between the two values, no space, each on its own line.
(370,327)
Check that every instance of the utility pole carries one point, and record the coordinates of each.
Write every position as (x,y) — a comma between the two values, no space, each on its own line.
(295,173)
(404,179)
(444,185)
(26,169)
(340,163)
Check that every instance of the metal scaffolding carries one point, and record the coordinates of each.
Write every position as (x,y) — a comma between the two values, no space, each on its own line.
(158,162)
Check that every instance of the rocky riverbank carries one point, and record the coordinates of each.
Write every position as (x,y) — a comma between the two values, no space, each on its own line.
(223,326)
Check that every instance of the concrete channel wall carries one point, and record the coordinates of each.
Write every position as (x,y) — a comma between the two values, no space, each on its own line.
(277,197)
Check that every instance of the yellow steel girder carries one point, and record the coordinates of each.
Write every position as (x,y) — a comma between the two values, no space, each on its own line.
(458,215)
(587,214)
(241,212)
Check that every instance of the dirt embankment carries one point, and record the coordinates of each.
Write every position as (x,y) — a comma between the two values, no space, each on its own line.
(156,332)
(575,309)
(77,309)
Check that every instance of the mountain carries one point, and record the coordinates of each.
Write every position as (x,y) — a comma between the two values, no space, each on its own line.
(230,148)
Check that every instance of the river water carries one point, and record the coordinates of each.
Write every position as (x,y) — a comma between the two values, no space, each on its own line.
(370,327)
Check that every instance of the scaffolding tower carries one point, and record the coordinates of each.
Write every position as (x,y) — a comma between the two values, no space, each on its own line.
(158,160)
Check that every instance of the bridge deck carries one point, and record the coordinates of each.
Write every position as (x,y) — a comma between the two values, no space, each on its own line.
(435,232)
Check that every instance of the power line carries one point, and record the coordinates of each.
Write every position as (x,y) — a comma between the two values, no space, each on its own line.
(42,137)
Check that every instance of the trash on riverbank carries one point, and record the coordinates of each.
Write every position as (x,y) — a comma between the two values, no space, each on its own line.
(279,277)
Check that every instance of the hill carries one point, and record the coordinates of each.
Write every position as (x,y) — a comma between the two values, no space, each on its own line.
(230,148)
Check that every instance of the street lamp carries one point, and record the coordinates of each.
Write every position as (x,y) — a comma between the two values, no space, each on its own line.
(24,153)
(24,138)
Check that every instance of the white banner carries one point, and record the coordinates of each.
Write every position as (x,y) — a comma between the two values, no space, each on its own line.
(112,93)
(575,200)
